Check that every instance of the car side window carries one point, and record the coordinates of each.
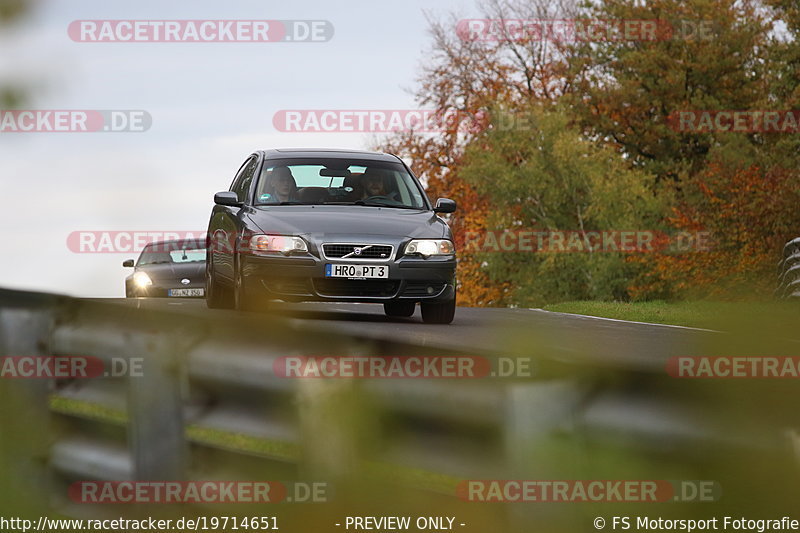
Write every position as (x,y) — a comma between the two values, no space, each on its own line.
(238,174)
(241,184)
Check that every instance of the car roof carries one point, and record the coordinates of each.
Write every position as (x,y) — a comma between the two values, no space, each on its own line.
(331,153)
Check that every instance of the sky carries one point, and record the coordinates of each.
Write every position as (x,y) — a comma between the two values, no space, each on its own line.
(211,105)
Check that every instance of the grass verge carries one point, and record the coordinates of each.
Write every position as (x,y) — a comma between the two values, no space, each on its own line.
(698,314)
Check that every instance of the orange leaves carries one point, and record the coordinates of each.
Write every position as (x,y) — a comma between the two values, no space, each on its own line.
(750,211)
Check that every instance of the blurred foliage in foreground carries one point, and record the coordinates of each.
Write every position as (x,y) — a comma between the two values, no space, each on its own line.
(588,145)
(600,406)
(10,11)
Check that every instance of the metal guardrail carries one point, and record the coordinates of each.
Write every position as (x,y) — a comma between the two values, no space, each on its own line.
(214,374)
(789,271)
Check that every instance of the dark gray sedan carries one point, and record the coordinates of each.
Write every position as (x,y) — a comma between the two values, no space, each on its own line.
(173,269)
(330,225)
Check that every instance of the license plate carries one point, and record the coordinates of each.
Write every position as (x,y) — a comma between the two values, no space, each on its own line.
(356,271)
(186,292)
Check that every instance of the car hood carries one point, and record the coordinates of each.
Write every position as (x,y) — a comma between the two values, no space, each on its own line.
(176,271)
(348,221)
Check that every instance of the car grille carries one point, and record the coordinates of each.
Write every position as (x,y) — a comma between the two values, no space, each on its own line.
(365,288)
(420,288)
(348,251)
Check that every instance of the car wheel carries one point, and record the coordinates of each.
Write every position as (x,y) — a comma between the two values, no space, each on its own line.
(438,313)
(242,300)
(217,296)
(399,309)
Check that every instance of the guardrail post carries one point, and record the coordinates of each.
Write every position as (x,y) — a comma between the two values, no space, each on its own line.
(155,411)
(24,415)
(328,427)
(335,422)
(535,413)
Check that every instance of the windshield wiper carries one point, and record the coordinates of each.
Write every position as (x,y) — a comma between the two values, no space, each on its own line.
(289,202)
(377,204)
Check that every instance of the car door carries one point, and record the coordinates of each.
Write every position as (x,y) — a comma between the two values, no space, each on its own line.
(225,225)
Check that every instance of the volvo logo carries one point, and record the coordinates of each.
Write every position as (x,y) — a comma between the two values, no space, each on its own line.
(185,281)
(358,251)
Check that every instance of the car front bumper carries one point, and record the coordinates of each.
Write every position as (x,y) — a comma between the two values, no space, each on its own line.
(303,278)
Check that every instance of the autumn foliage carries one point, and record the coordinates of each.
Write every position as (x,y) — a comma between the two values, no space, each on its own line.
(749,212)
(619,161)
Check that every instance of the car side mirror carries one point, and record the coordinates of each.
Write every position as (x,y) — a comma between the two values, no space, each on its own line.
(445,205)
(128,263)
(228,198)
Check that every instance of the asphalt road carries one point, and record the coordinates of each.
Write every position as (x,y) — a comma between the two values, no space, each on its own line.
(487,330)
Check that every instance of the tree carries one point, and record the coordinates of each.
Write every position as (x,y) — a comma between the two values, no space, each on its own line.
(551,178)
(469,76)
(709,57)
(10,11)
(784,57)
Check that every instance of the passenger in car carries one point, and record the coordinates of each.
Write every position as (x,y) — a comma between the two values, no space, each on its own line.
(283,185)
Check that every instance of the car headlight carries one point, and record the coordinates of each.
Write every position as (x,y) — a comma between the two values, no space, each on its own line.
(429,247)
(285,244)
(142,280)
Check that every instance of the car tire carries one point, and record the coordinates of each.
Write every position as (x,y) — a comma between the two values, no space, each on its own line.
(217,296)
(438,313)
(399,309)
(241,300)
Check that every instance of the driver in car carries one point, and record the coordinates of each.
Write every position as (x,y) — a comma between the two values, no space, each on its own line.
(374,183)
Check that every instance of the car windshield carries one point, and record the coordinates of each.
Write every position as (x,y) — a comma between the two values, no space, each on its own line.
(172,252)
(337,182)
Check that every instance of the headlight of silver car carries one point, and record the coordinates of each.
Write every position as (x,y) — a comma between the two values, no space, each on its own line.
(284,244)
(429,247)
